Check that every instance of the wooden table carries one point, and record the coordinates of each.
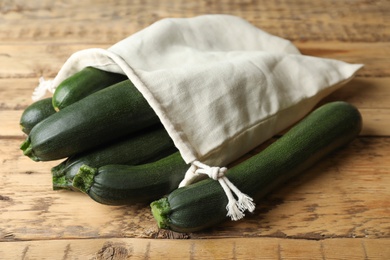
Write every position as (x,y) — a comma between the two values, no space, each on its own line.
(339,209)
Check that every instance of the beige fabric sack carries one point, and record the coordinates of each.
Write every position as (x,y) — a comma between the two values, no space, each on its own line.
(219,85)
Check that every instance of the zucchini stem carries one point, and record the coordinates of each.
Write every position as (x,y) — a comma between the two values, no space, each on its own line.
(60,182)
(160,210)
(59,170)
(84,178)
(26,147)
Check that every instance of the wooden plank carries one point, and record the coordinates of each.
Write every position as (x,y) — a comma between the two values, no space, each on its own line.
(35,60)
(363,92)
(376,122)
(226,248)
(9,127)
(26,60)
(338,210)
(16,93)
(100,21)
(374,62)
(346,195)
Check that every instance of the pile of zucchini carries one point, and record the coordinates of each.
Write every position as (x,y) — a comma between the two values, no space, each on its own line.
(112,144)
(115,149)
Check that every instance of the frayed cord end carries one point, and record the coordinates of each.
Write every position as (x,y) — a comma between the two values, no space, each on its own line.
(235,207)
(233,211)
(245,203)
(42,88)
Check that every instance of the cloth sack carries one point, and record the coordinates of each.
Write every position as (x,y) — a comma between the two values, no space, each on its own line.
(219,85)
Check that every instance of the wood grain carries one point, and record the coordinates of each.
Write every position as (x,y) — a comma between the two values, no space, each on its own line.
(36,60)
(223,249)
(335,198)
(301,20)
(339,209)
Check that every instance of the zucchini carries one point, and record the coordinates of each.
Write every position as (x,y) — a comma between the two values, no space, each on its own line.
(82,84)
(124,184)
(202,205)
(98,119)
(35,113)
(150,145)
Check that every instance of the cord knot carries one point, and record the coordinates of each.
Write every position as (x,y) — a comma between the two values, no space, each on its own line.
(235,207)
(213,172)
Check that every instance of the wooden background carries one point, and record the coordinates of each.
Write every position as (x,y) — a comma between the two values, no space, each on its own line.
(340,209)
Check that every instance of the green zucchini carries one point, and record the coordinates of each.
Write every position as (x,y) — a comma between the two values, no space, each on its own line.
(97,119)
(82,84)
(124,184)
(202,205)
(35,113)
(147,146)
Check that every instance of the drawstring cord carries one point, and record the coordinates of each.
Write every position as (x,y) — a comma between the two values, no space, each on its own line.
(235,207)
